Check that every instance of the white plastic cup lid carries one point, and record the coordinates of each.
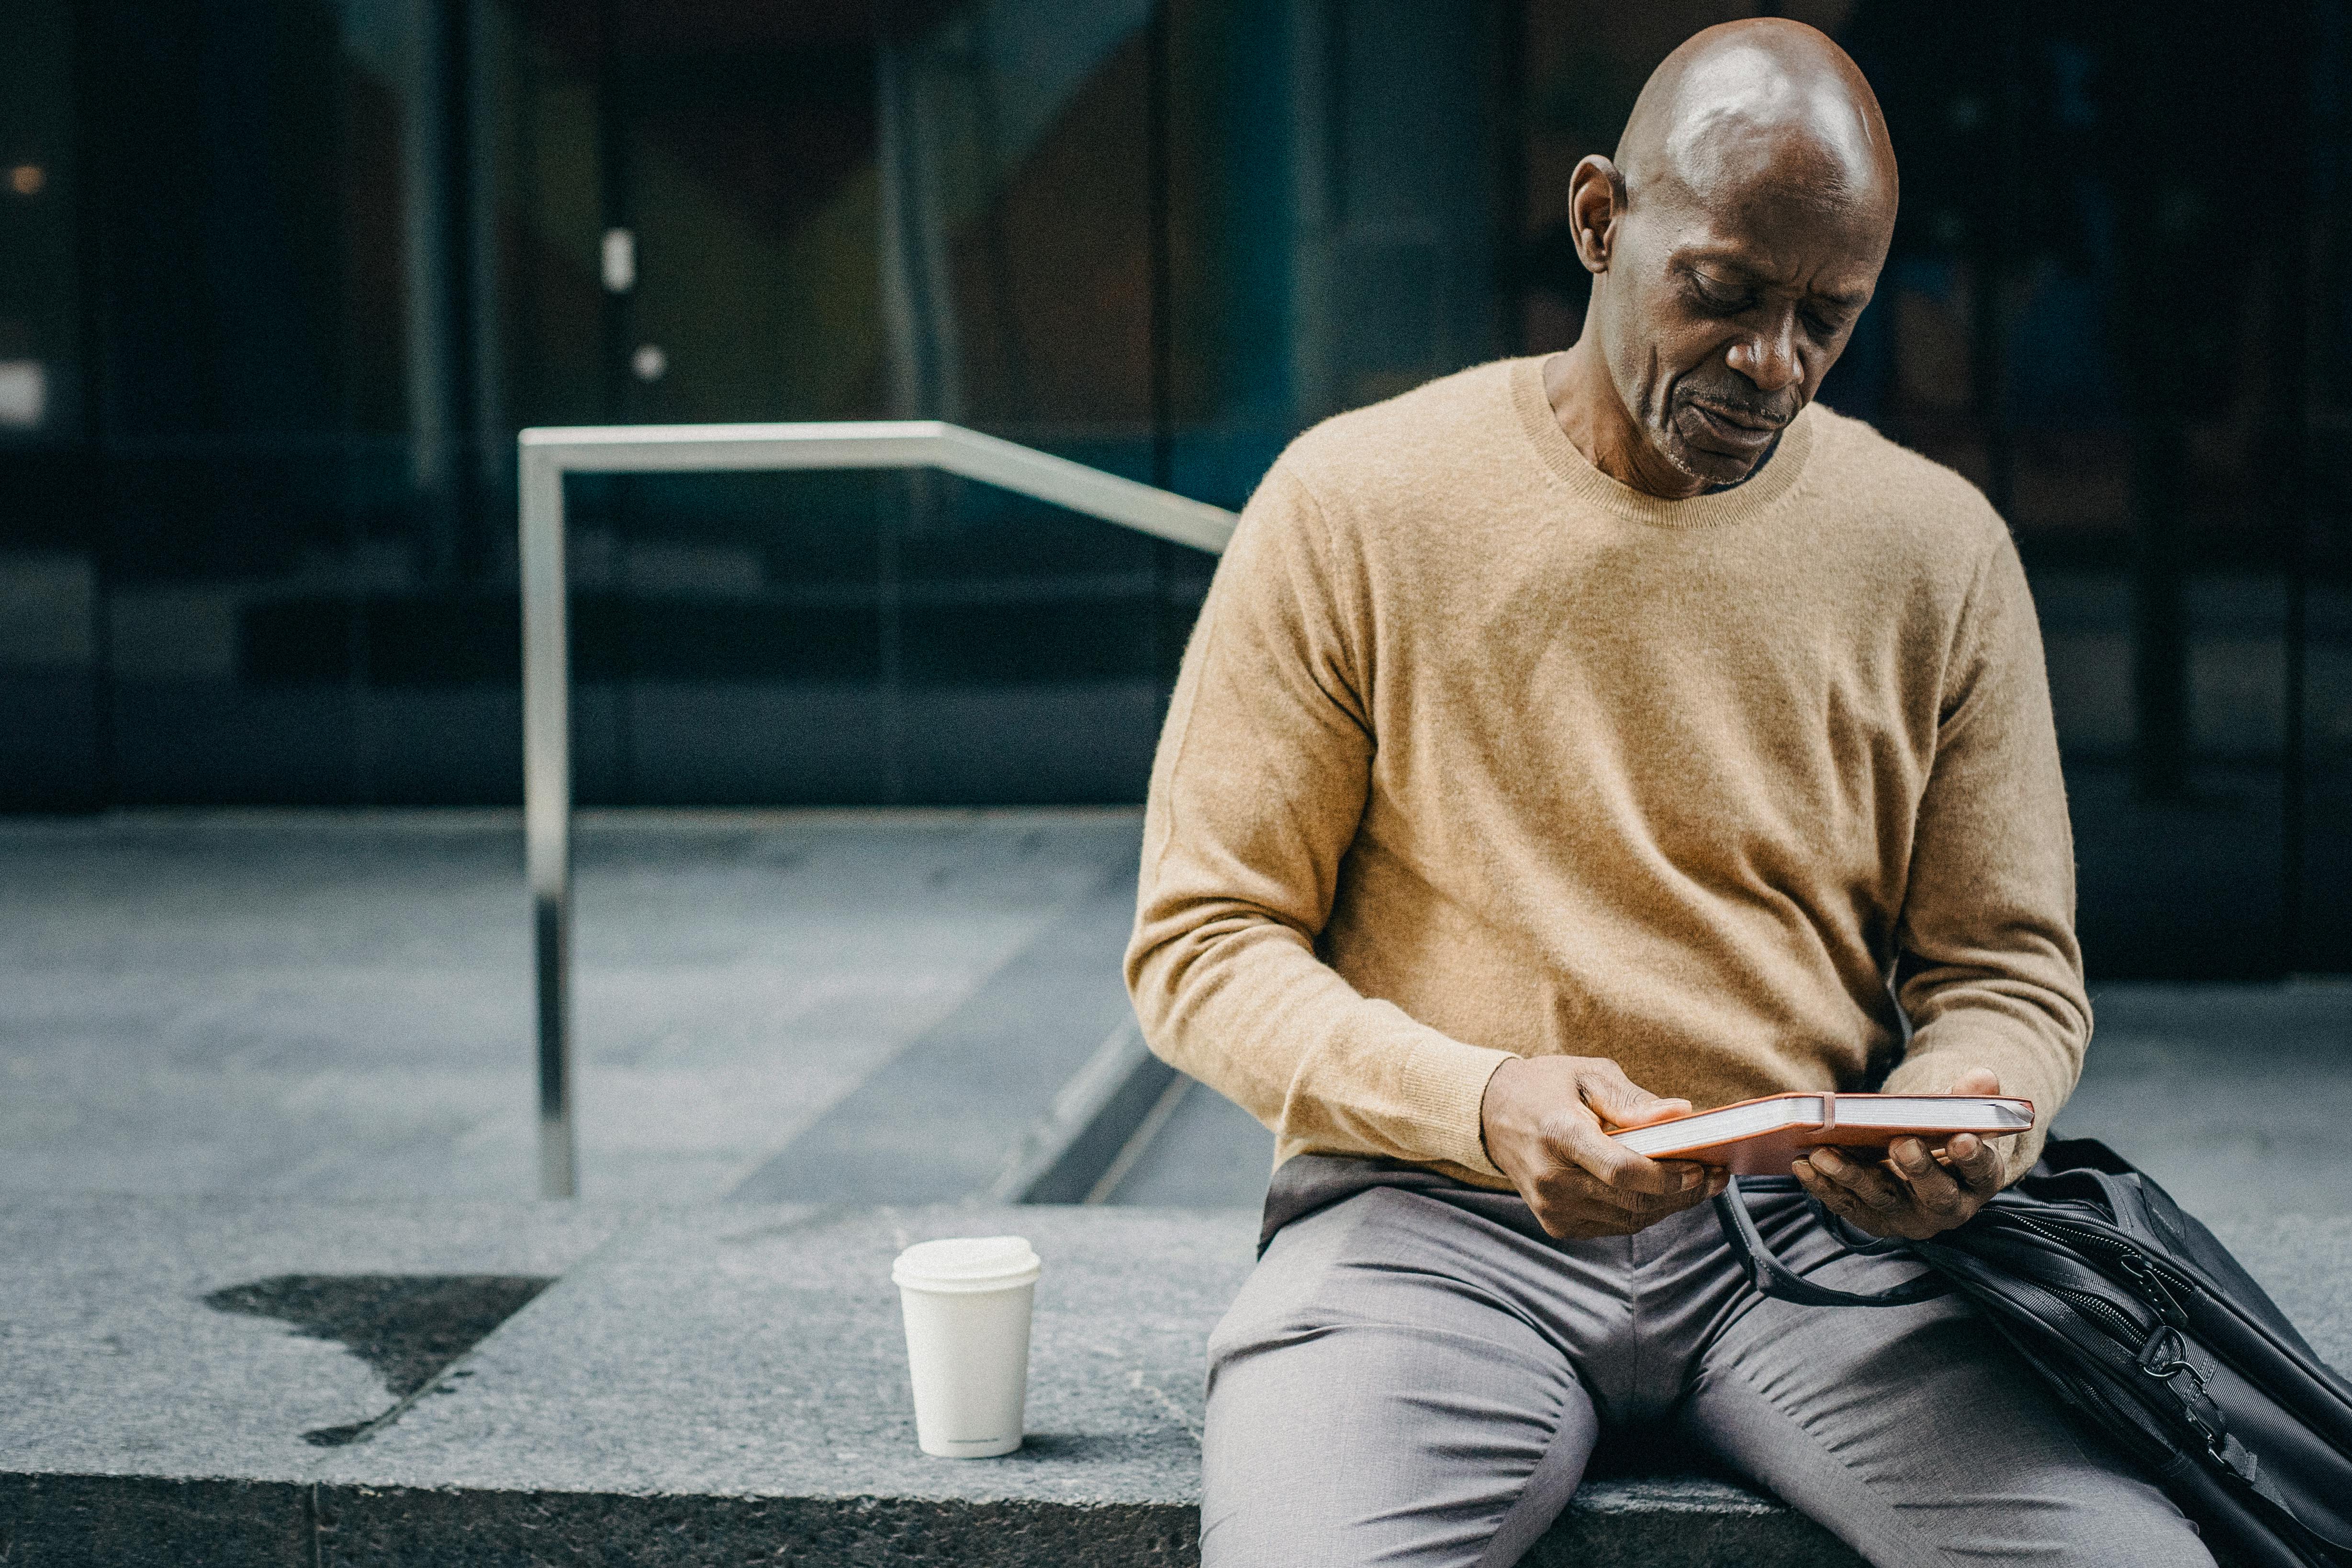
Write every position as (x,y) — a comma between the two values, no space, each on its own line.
(967,1263)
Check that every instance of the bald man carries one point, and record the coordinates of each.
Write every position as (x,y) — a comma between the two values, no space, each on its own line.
(1573,742)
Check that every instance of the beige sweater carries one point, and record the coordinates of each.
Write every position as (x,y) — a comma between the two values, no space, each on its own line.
(1477,751)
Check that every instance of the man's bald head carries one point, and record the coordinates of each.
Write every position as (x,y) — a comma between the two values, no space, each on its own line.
(1734,240)
(1762,100)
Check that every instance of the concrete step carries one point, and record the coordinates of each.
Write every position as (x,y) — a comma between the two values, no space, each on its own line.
(1199,1151)
(1026,1093)
(723,1383)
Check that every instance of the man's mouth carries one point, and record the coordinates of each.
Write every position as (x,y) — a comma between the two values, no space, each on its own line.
(1733,429)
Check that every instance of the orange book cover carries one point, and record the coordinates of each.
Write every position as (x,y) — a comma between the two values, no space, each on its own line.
(1763,1137)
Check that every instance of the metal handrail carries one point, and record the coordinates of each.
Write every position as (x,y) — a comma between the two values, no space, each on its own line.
(547,455)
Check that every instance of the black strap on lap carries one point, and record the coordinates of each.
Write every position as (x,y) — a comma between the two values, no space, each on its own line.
(1770,1277)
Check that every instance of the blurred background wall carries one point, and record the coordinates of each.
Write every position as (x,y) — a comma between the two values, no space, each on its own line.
(279,279)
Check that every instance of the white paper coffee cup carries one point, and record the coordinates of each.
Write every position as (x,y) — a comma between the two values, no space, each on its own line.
(967,1302)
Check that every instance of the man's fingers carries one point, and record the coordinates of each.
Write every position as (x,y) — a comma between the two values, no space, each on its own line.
(1621,1102)
(1624,1178)
(1977,1162)
(1932,1186)
(1900,1218)
(1872,1188)
(1921,1198)
(1570,1183)
(1977,1080)
(1834,1198)
(1620,1169)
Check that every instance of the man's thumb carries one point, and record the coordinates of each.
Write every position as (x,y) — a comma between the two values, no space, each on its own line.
(1621,1104)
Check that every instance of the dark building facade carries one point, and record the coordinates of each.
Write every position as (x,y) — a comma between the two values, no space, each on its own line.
(279,280)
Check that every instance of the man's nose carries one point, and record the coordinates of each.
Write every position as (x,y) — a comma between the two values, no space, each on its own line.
(1769,357)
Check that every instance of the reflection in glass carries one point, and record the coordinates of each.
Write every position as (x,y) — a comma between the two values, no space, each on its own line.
(279,284)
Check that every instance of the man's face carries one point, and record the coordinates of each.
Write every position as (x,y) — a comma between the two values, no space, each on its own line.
(1723,313)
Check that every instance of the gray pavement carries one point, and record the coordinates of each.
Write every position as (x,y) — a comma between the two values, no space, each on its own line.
(337,1005)
(2237,1098)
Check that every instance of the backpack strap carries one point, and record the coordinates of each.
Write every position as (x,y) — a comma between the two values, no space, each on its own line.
(1770,1277)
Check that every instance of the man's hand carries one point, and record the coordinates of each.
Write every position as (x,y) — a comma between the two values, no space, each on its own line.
(1921,1196)
(1542,1119)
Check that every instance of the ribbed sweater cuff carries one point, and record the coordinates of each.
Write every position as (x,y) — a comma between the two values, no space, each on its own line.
(2024,1066)
(1445,1091)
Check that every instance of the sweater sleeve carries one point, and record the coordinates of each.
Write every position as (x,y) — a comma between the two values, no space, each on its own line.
(1256,792)
(1991,973)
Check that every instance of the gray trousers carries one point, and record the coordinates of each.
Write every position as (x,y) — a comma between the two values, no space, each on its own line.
(1416,1375)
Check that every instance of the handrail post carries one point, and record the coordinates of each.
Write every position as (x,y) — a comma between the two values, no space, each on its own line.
(547,455)
(547,807)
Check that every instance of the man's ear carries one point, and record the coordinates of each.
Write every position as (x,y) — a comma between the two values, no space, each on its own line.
(1596,201)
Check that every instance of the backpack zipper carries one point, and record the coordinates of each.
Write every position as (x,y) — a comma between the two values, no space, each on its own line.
(2157,1278)
(2106,1314)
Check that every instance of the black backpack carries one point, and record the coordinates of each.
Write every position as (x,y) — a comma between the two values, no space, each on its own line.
(2148,1328)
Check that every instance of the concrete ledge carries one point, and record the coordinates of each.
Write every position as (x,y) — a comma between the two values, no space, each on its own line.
(144,1522)
(1686,1522)
(148,1521)
(703,1385)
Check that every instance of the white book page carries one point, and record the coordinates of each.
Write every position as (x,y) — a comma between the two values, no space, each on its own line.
(1959,1112)
(1722,1126)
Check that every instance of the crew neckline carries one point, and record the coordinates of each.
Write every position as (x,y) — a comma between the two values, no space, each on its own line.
(1781,475)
